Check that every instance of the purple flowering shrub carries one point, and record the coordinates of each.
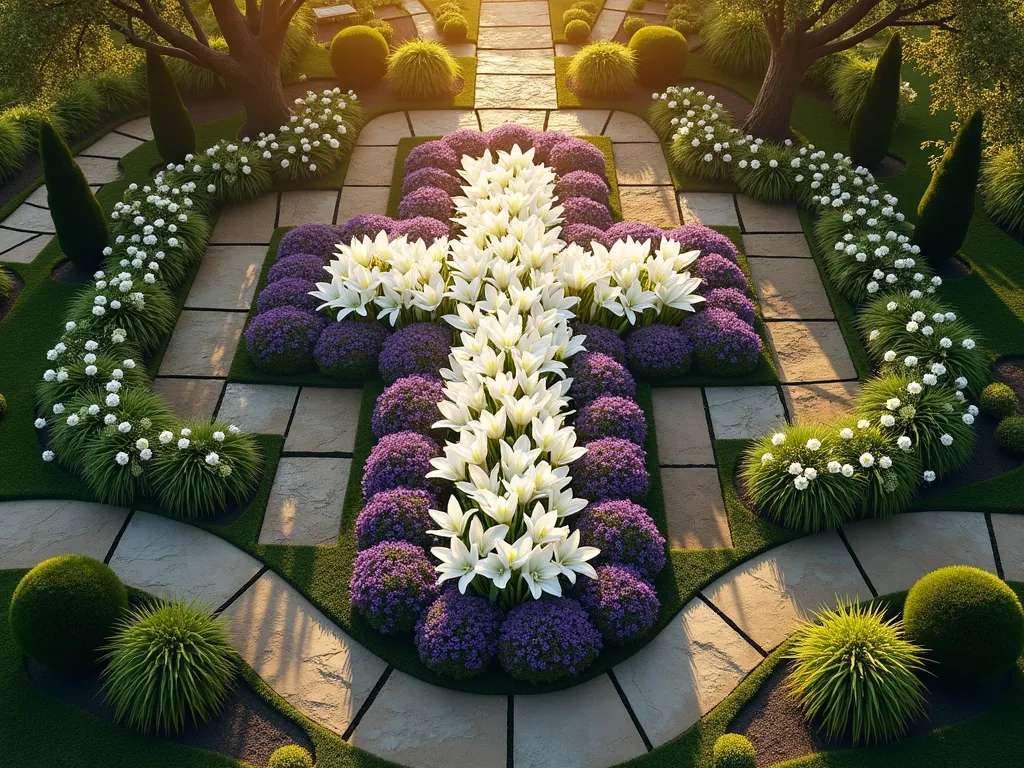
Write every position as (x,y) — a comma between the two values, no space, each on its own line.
(544,142)
(400,514)
(431,177)
(658,351)
(466,142)
(318,239)
(419,348)
(723,343)
(603,340)
(392,585)
(718,272)
(621,604)
(308,266)
(282,340)
(582,184)
(611,416)
(733,300)
(577,155)
(433,154)
(612,468)
(595,374)
(638,230)
(408,404)
(697,237)
(626,534)
(349,349)
(458,635)
(582,210)
(432,202)
(365,225)
(504,137)
(287,292)
(400,460)
(542,641)
(582,235)
(421,228)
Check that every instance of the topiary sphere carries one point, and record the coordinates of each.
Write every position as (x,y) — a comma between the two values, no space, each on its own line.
(969,620)
(998,400)
(577,14)
(632,25)
(660,54)
(577,31)
(64,609)
(1010,434)
(290,756)
(359,56)
(586,5)
(733,751)
(456,29)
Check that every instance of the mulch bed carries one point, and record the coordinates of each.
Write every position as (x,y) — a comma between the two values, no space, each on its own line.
(67,272)
(247,728)
(1010,371)
(775,725)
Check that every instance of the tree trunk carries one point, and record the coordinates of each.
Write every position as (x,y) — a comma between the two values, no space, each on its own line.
(769,118)
(262,93)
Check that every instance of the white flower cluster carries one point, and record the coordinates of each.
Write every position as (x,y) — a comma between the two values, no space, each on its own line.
(308,144)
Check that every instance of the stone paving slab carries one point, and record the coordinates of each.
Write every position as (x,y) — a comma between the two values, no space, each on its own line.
(520,14)
(251,222)
(608,23)
(462,50)
(388,12)
(301,654)
(112,145)
(326,420)
(712,209)
(371,166)
(694,508)
(897,551)
(516,91)
(258,408)
(140,128)
(820,403)
(38,197)
(30,218)
(176,560)
(1009,531)
(578,122)
(768,594)
(743,413)
(227,277)
(653,205)
(190,398)
(531,118)
(640,164)
(437,122)
(99,170)
(605,733)
(10,238)
(566,49)
(301,206)
(514,38)
(306,501)
(528,62)
(617,5)
(810,351)
(425,27)
(682,426)
(38,529)
(790,289)
(417,724)
(26,252)
(684,672)
(790,245)
(203,344)
(625,127)
(356,200)
(386,130)
(766,217)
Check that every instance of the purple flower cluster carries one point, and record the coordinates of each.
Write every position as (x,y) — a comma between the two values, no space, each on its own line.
(366,225)
(603,340)
(582,235)
(288,292)
(466,142)
(318,239)
(458,635)
(349,349)
(718,272)
(408,404)
(621,604)
(658,351)
(697,237)
(418,348)
(611,416)
(625,534)
(401,514)
(400,460)
(582,184)
(504,137)
(392,585)
(612,468)
(432,202)
(542,641)
(433,154)
(308,266)
(595,374)
(431,177)
(723,343)
(282,340)
(544,142)
(583,210)
(732,299)
(421,228)
(638,230)
(577,155)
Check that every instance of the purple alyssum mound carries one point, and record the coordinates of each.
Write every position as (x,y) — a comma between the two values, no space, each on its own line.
(432,202)
(431,177)
(612,468)
(308,266)
(421,228)
(400,514)
(433,154)
(723,343)
(408,404)
(637,230)
(544,142)
(611,416)
(458,635)
(582,210)
(697,237)
(288,292)
(504,137)
(626,534)
(349,349)
(718,272)
(582,235)
(582,184)
(466,142)
(577,155)
(366,225)
(621,604)
(658,351)
(542,641)
(318,239)
(734,300)
(595,374)
(603,340)
(400,460)
(392,585)
(282,339)
(419,348)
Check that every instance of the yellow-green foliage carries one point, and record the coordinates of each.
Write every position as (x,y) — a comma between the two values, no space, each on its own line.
(359,56)
(604,70)
(737,43)
(577,31)
(13,144)
(6,283)
(577,14)
(196,80)
(660,54)
(456,28)
(422,70)
(850,82)
(1002,188)
(384,27)
(586,5)
(632,25)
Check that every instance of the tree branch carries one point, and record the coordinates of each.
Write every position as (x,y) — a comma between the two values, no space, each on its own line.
(232,24)
(148,45)
(818,15)
(291,7)
(197,28)
(846,21)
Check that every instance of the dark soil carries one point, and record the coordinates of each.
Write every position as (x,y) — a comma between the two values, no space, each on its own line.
(776,727)
(1010,371)
(7,302)
(247,728)
(953,269)
(891,166)
(66,272)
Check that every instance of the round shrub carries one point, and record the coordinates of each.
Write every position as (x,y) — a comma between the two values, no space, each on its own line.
(853,671)
(432,202)
(444,18)
(433,154)
(660,53)
(400,514)
(400,460)
(723,344)
(574,14)
(595,374)
(582,235)
(420,348)
(611,417)
(288,292)
(577,32)
(392,585)
(465,142)
(998,400)
(458,635)
(504,137)
(349,349)
(545,141)
(282,340)
(365,225)
(718,272)
(408,404)
(597,338)
(604,70)
(319,239)
(456,29)
(658,351)
(970,622)
(422,70)
(638,230)
(631,26)
(64,609)
(359,56)
(577,155)
(582,184)
(626,534)
(431,177)
(421,228)
(582,210)
(168,664)
(697,237)
(612,468)
(307,266)
(732,750)
(1010,434)
(734,300)
(384,27)
(622,605)
(290,756)
(542,641)
(586,5)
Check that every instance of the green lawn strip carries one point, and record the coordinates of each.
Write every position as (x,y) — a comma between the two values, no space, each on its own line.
(556,8)
(997,494)
(470,9)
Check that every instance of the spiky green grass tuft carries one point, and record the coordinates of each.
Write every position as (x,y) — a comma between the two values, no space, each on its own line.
(195,80)
(1002,188)
(604,70)
(767,174)
(737,43)
(422,70)
(14,143)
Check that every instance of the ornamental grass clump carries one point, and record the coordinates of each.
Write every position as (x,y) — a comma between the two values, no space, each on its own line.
(392,585)
(542,641)
(626,534)
(766,172)
(737,43)
(611,416)
(1002,188)
(658,352)
(400,460)
(419,348)
(349,349)
(603,70)
(621,604)
(168,665)
(400,514)
(319,239)
(421,70)
(143,309)
(595,374)
(612,468)
(282,339)
(855,673)
(408,404)
(458,635)
(890,472)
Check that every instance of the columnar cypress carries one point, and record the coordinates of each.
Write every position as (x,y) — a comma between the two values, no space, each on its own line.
(875,119)
(173,131)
